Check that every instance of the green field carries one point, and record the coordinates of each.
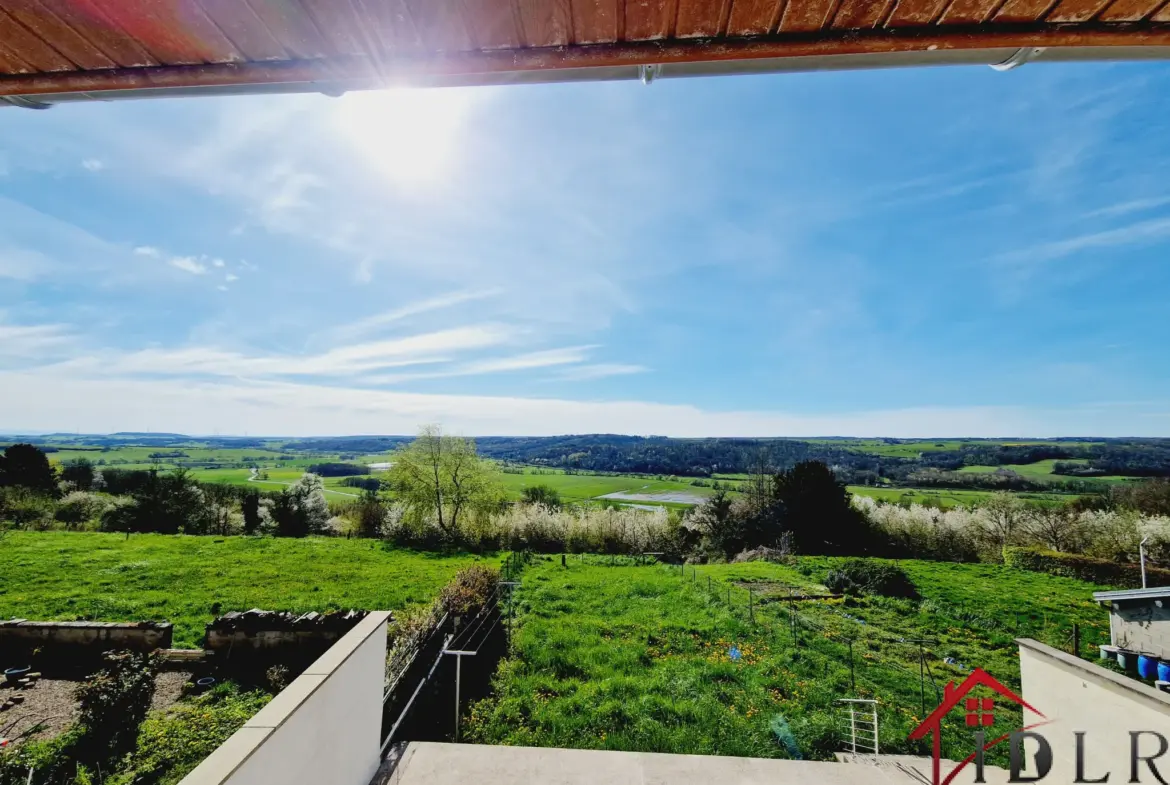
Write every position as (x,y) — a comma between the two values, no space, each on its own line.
(639,658)
(951,497)
(189,580)
(581,487)
(1039,470)
(277,479)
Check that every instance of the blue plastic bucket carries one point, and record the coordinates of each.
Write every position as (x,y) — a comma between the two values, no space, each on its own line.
(1147,666)
(1163,671)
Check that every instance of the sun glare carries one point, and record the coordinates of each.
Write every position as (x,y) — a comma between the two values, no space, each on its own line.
(412,136)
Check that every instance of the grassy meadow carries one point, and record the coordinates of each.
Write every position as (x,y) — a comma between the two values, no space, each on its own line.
(640,658)
(582,487)
(189,580)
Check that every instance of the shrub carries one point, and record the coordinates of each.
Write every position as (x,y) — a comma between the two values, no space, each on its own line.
(112,705)
(174,742)
(863,576)
(27,509)
(542,494)
(1085,568)
(81,507)
(470,589)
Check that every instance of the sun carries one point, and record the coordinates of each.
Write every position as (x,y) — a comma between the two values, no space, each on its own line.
(412,136)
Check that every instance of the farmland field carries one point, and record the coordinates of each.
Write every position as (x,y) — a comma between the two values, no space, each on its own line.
(951,497)
(581,487)
(641,658)
(189,580)
(275,479)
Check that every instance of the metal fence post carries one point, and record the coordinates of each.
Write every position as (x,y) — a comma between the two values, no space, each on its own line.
(852,676)
(458,684)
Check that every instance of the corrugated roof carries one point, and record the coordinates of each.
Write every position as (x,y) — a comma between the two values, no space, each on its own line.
(84,48)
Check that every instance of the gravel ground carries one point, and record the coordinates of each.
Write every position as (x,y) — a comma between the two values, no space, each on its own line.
(51,701)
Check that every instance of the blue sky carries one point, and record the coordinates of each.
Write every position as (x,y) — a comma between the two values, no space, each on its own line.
(946,251)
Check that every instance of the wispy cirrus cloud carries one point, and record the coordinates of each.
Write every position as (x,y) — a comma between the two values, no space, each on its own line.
(598,371)
(35,342)
(518,362)
(375,323)
(1139,233)
(347,361)
(1127,207)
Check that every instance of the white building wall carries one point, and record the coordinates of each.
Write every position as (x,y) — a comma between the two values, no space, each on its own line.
(322,728)
(1076,695)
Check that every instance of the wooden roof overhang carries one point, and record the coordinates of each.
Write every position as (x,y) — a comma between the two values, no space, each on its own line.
(58,50)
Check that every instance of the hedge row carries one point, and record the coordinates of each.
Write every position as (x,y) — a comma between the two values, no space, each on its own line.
(1108,573)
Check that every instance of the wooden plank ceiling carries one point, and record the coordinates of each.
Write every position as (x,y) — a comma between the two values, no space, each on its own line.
(62,46)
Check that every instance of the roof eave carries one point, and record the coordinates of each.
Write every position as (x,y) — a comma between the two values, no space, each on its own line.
(671,58)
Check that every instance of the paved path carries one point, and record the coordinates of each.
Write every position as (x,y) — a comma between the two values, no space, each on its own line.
(425,763)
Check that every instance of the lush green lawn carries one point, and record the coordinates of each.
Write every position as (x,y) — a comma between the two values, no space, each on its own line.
(639,658)
(189,580)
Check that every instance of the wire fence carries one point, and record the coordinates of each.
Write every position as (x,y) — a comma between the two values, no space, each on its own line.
(913,658)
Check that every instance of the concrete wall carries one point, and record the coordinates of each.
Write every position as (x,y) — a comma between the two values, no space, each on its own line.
(322,728)
(1142,626)
(1077,695)
(71,636)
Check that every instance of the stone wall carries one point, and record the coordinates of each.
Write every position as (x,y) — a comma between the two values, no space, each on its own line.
(82,637)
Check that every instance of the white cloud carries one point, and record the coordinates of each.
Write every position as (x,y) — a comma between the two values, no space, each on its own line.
(598,371)
(519,362)
(24,264)
(34,342)
(231,277)
(92,165)
(1132,206)
(352,360)
(373,323)
(1134,234)
(188,264)
(196,265)
(37,400)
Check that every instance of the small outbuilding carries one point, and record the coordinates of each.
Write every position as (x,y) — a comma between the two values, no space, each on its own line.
(1139,619)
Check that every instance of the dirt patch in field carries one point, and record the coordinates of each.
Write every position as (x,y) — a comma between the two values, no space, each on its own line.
(774,591)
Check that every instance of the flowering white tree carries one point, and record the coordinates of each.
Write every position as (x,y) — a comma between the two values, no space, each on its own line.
(309,499)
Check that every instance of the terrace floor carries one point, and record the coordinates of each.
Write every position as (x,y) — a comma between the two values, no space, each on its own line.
(426,763)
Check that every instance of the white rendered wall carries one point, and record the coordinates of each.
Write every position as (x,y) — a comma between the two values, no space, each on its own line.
(322,728)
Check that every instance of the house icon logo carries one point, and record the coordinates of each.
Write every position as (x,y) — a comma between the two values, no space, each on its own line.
(979,714)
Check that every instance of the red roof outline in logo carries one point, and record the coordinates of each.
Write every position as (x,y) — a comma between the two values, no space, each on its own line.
(952,695)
